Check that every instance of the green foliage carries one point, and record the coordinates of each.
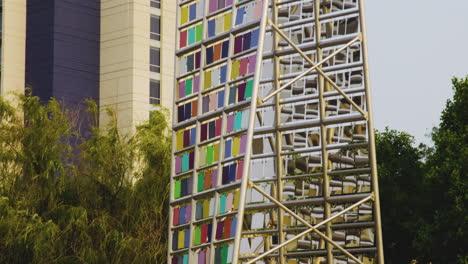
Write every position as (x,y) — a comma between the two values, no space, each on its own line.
(401,177)
(446,235)
(424,190)
(101,200)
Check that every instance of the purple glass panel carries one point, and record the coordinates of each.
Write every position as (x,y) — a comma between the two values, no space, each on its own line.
(215,177)
(196,85)
(178,164)
(246,44)
(213,5)
(238,44)
(181,89)
(252,62)
(243,142)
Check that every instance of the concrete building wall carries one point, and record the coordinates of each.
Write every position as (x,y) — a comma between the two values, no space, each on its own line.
(13,47)
(125,51)
(168,45)
(125,60)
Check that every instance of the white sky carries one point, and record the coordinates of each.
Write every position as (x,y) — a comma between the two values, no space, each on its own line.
(415,47)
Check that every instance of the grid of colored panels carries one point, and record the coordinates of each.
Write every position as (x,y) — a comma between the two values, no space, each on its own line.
(216,59)
(313,154)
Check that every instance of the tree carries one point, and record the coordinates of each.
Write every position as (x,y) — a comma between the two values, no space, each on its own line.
(66,199)
(445,236)
(402,195)
(424,190)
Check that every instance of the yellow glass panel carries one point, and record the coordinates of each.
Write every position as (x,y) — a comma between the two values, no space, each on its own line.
(235,69)
(180,140)
(184,15)
(235,146)
(227,21)
(206,208)
(216,152)
(180,242)
(207,80)
(236,201)
(202,157)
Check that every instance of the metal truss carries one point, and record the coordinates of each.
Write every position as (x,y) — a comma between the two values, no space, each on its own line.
(318,69)
(311,228)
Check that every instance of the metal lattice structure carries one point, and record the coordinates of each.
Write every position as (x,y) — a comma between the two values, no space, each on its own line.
(273,146)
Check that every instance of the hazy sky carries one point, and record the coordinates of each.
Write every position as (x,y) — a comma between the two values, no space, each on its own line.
(415,47)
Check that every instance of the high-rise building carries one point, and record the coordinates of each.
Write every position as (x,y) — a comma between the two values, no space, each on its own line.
(62,49)
(12,45)
(116,52)
(137,57)
(273,141)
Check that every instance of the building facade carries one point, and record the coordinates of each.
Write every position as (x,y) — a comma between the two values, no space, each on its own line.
(116,52)
(62,49)
(273,140)
(137,47)
(12,44)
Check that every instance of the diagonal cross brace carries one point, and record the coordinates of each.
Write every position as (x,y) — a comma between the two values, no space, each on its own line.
(312,68)
(315,67)
(311,228)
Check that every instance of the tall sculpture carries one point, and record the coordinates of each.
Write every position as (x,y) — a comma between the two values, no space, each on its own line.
(273,147)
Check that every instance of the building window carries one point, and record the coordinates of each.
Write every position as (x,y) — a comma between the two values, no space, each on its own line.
(156,3)
(155,27)
(155,92)
(155,60)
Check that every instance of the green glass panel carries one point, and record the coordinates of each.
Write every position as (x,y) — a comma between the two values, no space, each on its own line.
(177,189)
(197,235)
(188,86)
(238,121)
(201,181)
(222,204)
(209,155)
(191,35)
(199,33)
(185,162)
(224,254)
(248,90)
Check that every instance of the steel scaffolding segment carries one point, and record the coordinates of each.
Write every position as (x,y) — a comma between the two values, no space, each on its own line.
(288,180)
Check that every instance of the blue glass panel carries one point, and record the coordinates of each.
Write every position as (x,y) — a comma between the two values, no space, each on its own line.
(223,73)
(193,12)
(225,51)
(220,99)
(232,172)
(211,28)
(240,16)
(254,38)
(193,136)
(233,226)
(209,55)
(227,153)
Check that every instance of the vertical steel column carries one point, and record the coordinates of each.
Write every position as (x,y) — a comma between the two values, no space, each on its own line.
(279,134)
(200,106)
(174,122)
(370,128)
(323,132)
(248,148)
